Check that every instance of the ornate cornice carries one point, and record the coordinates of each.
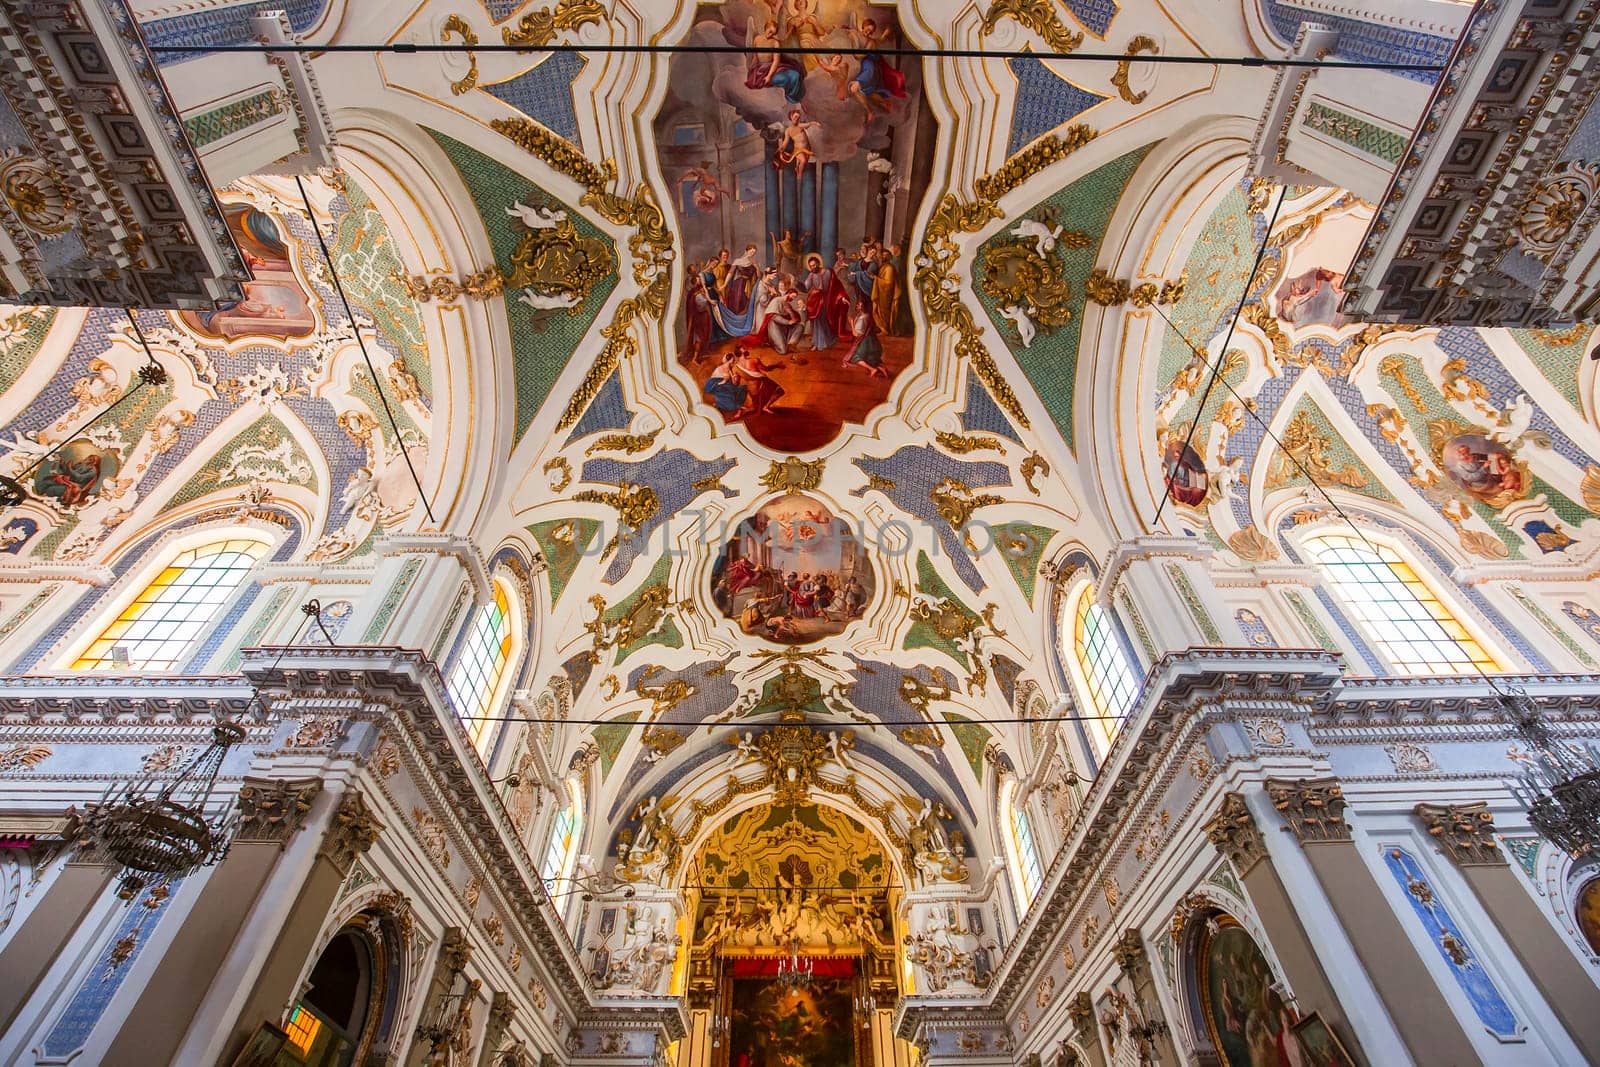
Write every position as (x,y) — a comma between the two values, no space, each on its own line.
(125,700)
(402,690)
(1313,808)
(1234,832)
(1464,831)
(1155,546)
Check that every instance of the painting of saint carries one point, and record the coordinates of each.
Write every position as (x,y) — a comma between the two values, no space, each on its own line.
(1485,469)
(73,474)
(794,573)
(1248,1021)
(798,175)
(1311,298)
(1185,473)
(811,1026)
(275,302)
(1587,911)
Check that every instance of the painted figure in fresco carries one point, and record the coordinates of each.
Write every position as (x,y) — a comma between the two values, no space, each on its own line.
(783,319)
(73,475)
(1311,298)
(705,191)
(876,83)
(1185,472)
(764,390)
(794,143)
(724,388)
(1484,468)
(770,67)
(788,251)
(275,302)
(867,351)
(697,314)
(827,305)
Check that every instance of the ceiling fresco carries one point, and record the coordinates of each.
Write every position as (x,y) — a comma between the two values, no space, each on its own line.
(786,382)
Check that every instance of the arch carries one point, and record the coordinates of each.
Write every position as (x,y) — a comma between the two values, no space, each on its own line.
(1021,847)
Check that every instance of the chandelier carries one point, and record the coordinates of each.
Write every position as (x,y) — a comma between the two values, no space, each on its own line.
(159,830)
(794,970)
(1560,782)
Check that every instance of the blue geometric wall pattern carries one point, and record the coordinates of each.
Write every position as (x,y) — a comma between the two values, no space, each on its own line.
(544,93)
(223,25)
(1094,15)
(1491,1007)
(1045,100)
(607,411)
(1364,40)
(982,414)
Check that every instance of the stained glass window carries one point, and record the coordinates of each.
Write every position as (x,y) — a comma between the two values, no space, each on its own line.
(1026,869)
(180,604)
(559,852)
(475,680)
(302,1029)
(1408,623)
(1106,673)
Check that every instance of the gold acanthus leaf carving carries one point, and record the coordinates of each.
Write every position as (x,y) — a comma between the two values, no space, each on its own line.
(1033,466)
(629,443)
(1033,160)
(1037,15)
(1111,292)
(793,475)
(1141,43)
(635,505)
(477,285)
(956,501)
(647,615)
(559,260)
(540,27)
(963,443)
(1305,448)
(557,151)
(456,26)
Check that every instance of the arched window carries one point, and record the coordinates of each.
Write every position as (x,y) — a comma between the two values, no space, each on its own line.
(1022,851)
(479,675)
(159,626)
(1404,618)
(1102,669)
(562,850)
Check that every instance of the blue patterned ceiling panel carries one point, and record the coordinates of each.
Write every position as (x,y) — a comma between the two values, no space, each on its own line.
(1045,100)
(544,93)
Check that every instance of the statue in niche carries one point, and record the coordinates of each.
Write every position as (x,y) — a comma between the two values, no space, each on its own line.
(936,854)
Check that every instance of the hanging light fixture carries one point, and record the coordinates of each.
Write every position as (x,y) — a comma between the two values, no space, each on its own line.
(162,829)
(794,970)
(1560,781)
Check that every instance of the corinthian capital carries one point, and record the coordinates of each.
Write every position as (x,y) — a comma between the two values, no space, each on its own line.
(1464,831)
(1234,832)
(1313,808)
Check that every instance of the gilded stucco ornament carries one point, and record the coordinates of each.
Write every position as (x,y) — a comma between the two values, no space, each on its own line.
(627,443)
(456,26)
(1037,15)
(540,27)
(793,475)
(1141,43)
(647,615)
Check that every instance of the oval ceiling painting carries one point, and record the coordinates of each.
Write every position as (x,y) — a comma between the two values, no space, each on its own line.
(792,573)
(795,178)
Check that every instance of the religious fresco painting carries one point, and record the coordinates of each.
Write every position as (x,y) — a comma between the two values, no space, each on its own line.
(73,474)
(275,302)
(1248,1021)
(1586,910)
(777,1027)
(1485,469)
(793,573)
(1312,287)
(795,180)
(1185,472)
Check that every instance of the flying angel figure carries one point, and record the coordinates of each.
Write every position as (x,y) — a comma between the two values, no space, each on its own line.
(1020,319)
(549,301)
(537,218)
(1042,235)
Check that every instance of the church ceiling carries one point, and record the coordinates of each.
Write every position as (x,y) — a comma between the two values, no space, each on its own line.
(816,478)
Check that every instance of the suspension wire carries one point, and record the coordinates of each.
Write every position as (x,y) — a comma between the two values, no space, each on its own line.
(1216,369)
(490,47)
(377,382)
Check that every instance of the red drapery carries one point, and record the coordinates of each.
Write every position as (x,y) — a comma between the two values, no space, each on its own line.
(767,966)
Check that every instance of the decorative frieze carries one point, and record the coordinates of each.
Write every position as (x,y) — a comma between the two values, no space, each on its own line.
(1312,807)
(274,810)
(1234,832)
(1464,831)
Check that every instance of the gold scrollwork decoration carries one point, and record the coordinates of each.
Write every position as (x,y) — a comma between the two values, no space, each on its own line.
(1141,43)
(628,443)
(793,475)
(963,443)
(1033,466)
(1033,160)
(456,26)
(476,285)
(540,27)
(1112,292)
(956,501)
(1037,15)
(635,506)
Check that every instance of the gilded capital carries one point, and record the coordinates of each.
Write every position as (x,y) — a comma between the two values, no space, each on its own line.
(1464,831)
(1081,1009)
(1067,1056)
(1234,832)
(1313,808)
(1129,951)
(354,830)
(274,810)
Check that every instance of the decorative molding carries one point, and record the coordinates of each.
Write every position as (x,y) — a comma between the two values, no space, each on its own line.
(1465,832)
(1313,808)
